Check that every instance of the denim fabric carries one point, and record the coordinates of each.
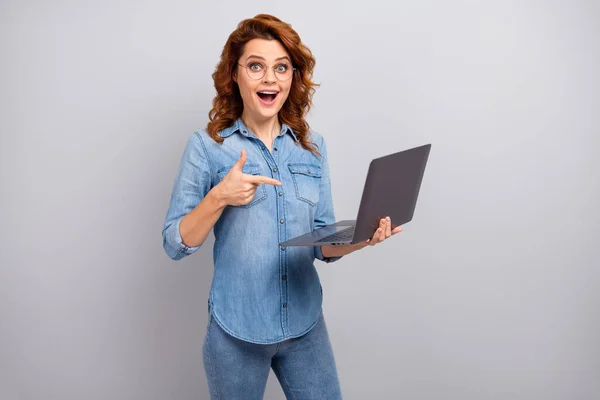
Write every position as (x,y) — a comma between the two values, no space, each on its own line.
(304,366)
(261,292)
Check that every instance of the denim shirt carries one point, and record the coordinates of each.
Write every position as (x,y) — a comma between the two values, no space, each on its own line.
(261,292)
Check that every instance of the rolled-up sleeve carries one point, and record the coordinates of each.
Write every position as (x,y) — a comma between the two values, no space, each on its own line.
(192,183)
(325,214)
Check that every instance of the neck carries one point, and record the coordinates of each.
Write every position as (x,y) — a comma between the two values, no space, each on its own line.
(264,129)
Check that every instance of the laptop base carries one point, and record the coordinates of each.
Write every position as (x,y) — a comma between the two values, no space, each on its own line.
(319,236)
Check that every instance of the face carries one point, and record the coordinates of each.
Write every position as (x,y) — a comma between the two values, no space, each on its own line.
(264,97)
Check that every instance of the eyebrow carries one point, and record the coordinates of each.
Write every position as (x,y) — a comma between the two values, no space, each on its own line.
(262,58)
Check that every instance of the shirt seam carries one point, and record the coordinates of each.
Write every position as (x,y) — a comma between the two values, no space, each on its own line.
(285,320)
(210,166)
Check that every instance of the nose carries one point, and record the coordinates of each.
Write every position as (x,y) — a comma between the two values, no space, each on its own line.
(269,76)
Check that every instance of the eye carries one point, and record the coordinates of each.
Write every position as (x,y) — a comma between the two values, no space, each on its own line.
(255,66)
(282,67)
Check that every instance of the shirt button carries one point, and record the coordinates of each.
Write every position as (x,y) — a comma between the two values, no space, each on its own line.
(281,221)
(275,148)
(284,277)
(281,193)
(274,169)
(308,171)
(284,305)
(262,147)
(282,248)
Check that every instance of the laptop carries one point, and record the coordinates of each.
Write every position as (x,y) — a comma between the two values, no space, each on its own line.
(391,189)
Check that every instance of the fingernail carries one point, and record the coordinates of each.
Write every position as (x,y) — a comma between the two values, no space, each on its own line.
(388,218)
(379,230)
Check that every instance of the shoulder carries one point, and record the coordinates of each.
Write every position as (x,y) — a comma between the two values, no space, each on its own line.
(319,140)
(197,145)
(316,138)
(201,138)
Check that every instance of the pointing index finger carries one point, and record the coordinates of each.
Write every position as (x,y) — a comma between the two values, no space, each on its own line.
(260,180)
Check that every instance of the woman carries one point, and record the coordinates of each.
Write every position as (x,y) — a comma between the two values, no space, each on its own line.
(258,175)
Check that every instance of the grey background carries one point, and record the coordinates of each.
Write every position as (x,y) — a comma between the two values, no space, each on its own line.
(490,293)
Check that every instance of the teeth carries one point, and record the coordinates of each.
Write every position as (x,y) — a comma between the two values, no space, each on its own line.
(264,92)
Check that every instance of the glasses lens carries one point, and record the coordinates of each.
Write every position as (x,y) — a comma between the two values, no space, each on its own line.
(255,70)
(283,71)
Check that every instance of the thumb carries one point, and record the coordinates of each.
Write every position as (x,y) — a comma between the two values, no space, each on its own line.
(241,161)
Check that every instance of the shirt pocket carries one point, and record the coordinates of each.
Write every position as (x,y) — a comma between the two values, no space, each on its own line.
(307,180)
(250,169)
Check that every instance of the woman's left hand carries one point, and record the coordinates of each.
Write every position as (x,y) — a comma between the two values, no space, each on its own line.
(382,233)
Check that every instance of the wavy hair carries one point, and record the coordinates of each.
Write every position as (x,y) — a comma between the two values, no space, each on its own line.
(227,105)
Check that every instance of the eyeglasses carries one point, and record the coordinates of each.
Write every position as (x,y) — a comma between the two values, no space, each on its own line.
(256,70)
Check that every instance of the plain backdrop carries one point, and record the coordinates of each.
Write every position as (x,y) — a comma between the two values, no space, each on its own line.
(491,292)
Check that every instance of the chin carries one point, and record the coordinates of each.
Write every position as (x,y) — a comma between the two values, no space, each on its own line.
(268,114)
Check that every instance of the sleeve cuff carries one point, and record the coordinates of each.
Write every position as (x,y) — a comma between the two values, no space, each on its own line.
(319,255)
(173,243)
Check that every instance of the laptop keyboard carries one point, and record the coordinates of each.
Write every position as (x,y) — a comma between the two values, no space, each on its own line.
(341,236)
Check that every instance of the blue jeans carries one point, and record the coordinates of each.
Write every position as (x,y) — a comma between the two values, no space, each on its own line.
(304,366)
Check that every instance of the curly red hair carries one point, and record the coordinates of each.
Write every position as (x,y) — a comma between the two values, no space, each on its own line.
(228,105)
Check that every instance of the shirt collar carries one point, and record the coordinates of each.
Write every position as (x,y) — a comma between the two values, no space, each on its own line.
(240,127)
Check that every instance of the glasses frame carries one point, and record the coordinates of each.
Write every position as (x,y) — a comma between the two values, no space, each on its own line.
(265,72)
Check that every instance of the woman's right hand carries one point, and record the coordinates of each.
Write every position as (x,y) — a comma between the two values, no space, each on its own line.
(237,188)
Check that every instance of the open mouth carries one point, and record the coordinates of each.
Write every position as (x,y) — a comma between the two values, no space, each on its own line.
(267,96)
